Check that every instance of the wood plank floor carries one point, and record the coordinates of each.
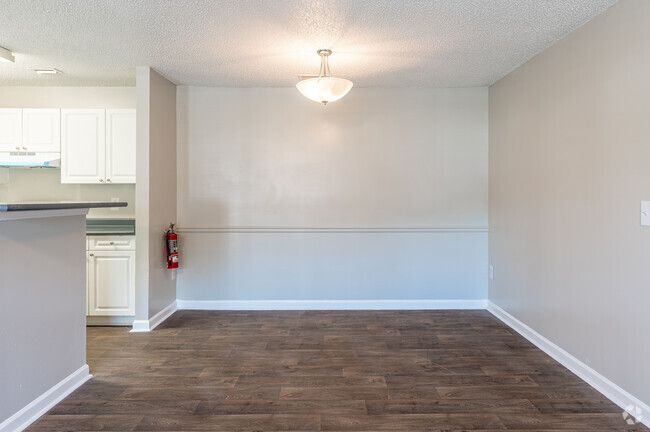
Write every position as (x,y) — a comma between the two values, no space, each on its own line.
(327,371)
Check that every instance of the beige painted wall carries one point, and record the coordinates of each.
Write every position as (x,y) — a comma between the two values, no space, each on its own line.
(569,164)
(380,158)
(155,190)
(162,188)
(42,307)
(39,184)
(67,97)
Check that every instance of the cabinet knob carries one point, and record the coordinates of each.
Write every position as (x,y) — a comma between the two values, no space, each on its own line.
(111,243)
(17,147)
(108,180)
(24,148)
(101,180)
(92,254)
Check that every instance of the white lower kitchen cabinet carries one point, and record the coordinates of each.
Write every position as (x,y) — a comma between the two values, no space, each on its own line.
(111,277)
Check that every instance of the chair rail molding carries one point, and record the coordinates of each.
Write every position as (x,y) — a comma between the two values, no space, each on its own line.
(331,229)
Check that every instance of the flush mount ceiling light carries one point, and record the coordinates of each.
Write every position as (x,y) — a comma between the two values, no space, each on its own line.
(47,71)
(6,55)
(324,88)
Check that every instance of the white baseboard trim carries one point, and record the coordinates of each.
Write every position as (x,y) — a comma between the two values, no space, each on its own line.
(161,316)
(93,320)
(610,390)
(329,304)
(42,404)
(140,326)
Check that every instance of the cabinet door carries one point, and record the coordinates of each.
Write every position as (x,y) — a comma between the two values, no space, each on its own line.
(83,146)
(120,146)
(11,129)
(89,263)
(111,283)
(42,130)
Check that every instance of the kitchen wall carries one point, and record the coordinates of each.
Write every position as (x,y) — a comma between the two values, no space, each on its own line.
(155,190)
(569,164)
(162,188)
(381,196)
(36,184)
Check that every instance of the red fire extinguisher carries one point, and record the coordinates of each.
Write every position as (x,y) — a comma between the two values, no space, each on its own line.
(171,243)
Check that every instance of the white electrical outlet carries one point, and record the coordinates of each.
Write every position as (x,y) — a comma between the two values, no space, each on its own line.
(491,272)
(645,213)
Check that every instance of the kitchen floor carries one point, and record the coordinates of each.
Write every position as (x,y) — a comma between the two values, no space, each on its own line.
(335,371)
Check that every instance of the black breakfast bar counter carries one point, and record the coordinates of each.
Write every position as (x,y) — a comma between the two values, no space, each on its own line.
(57,205)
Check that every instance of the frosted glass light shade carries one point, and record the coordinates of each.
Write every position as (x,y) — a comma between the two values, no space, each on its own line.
(324,89)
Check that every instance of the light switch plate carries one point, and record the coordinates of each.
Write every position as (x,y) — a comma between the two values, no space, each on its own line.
(645,213)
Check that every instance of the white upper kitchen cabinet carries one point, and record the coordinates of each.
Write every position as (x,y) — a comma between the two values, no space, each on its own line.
(120,145)
(83,146)
(41,130)
(98,146)
(11,129)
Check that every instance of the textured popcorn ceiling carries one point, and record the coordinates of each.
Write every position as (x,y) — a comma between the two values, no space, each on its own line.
(262,43)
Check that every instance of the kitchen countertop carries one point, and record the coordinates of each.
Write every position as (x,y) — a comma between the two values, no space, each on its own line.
(57,205)
(95,226)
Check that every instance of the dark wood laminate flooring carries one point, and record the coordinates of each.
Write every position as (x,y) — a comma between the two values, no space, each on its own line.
(327,371)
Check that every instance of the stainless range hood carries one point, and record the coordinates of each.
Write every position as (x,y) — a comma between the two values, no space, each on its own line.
(30,160)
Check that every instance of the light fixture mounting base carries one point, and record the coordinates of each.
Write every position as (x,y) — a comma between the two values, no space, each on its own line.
(323,52)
